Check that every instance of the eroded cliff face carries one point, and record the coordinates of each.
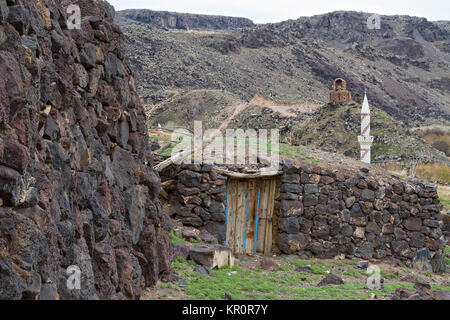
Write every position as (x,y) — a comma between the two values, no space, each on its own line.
(182,21)
(76,180)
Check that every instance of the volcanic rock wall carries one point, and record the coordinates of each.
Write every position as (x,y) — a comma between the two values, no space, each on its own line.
(76,182)
(326,213)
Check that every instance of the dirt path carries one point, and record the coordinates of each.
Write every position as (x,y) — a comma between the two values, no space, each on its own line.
(235,111)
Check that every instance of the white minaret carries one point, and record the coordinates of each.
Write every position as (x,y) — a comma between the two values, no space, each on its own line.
(365,140)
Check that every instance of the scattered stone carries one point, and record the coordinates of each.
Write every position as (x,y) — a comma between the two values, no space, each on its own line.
(203,270)
(211,256)
(441,295)
(180,250)
(438,263)
(362,264)
(207,237)
(304,269)
(228,297)
(330,280)
(268,264)
(420,285)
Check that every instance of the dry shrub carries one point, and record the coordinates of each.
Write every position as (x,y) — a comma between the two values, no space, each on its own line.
(438,138)
(433,173)
(443,146)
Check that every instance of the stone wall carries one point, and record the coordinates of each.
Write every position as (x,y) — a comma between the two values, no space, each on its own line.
(196,196)
(339,93)
(76,180)
(325,213)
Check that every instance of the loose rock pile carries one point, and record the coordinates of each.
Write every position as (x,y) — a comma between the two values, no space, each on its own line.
(76,183)
(326,213)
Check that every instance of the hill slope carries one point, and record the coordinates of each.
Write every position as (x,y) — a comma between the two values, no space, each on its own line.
(404,65)
(332,127)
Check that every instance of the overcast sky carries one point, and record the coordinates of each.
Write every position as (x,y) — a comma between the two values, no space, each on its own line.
(263,11)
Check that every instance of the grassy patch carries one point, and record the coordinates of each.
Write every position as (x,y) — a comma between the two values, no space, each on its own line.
(284,268)
(282,284)
(165,138)
(195,240)
(175,239)
(386,275)
(353,273)
(433,172)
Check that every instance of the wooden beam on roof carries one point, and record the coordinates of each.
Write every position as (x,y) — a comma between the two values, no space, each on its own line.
(239,175)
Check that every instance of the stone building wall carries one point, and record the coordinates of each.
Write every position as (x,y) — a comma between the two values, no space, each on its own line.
(339,92)
(326,213)
(196,196)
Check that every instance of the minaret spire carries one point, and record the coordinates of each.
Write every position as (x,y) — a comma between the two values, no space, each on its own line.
(365,139)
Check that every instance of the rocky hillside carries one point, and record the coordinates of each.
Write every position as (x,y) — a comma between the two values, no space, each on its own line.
(404,65)
(181,21)
(76,183)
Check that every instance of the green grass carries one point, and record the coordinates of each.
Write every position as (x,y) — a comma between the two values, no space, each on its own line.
(283,283)
(159,138)
(284,268)
(353,273)
(388,275)
(445,202)
(317,267)
(195,240)
(285,149)
(166,152)
(174,239)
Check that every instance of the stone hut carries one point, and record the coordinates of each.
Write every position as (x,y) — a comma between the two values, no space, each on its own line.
(311,212)
(339,92)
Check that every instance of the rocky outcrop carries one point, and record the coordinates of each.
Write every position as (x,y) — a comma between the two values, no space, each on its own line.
(182,21)
(76,183)
(324,213)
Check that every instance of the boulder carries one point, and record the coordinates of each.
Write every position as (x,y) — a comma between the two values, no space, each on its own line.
(211,256)
(291,243)
(330,280)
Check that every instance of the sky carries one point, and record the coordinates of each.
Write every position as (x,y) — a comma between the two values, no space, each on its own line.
(265,11)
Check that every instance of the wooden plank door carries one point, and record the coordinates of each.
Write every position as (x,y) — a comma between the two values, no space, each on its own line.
(251,226)
(250,207)
(265,217)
